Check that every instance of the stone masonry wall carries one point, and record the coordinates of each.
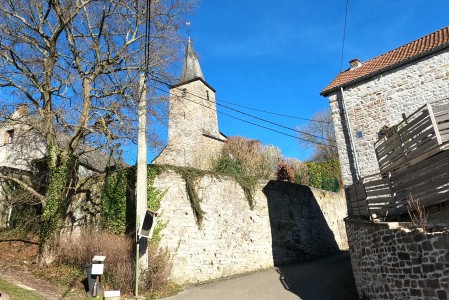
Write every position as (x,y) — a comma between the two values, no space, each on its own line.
(192,117)
(288,223)
(382,100)
(392,262)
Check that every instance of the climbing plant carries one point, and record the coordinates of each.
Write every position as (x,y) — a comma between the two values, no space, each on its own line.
(113,202)
(154,198)
(190,176)
(154,195)
(53,214)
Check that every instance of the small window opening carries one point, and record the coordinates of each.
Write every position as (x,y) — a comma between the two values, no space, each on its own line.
(9,136)
(184,93)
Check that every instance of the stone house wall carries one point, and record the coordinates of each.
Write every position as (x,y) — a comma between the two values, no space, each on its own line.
(25,147)
(193,136)
(393,262)
(381,100)
(288,223)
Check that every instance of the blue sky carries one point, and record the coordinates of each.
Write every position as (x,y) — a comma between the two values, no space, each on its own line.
(278,55)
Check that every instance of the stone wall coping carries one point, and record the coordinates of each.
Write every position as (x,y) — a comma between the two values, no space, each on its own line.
(389,225)
(404,226)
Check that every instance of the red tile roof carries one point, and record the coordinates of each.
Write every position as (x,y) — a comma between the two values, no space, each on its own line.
(416,49)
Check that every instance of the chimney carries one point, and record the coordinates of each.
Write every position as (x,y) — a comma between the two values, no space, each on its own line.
(22,110)
(355,63)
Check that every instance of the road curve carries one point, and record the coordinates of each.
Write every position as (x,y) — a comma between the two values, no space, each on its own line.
(325,278)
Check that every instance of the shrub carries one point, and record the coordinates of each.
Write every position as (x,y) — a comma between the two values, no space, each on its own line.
(325,175)
(285,171)
(120,262)
(300,169)
(227,165)
(251,157)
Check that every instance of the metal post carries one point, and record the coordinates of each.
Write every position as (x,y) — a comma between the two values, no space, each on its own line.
(136,290)
(351,139)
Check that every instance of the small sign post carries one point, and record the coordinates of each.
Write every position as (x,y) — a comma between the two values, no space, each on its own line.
(97,270)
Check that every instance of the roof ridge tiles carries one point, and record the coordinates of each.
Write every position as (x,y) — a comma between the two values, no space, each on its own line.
(403,54)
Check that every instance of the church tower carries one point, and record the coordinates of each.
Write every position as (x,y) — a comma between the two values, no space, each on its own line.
(193,136)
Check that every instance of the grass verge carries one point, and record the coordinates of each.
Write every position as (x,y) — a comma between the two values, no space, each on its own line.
(18,293)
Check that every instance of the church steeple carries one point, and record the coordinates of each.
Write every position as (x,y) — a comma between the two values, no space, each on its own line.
(191,68)
(193,136)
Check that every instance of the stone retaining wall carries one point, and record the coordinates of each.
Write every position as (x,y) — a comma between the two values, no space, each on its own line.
(288,223)
(392,262)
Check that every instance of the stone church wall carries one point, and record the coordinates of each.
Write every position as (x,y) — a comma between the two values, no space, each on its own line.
(382,100)
(392,262)
(288,223)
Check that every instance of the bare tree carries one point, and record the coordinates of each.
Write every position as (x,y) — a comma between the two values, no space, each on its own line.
(319,134)
(76,64)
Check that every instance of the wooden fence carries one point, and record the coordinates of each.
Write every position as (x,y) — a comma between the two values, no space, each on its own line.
(386,196)
(416,137)
(414,164)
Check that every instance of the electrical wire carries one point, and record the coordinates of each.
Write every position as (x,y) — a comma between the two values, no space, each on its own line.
(246,121)
(147,35)
(272,113)
(246,114)
(261,110)
(344,35)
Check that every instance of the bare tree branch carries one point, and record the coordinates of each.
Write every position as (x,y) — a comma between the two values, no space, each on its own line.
(26,187)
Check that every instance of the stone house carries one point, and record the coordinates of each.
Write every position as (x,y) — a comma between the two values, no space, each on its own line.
(193,136)
(19,147)
(377,93)
(23,151)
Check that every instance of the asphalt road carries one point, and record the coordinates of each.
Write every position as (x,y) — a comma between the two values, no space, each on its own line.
(326,278)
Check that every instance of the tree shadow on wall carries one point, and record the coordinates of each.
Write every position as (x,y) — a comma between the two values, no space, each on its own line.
(300,232)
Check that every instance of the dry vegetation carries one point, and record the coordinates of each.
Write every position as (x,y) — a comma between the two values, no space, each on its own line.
(250,158)
(119,273)
(417,213)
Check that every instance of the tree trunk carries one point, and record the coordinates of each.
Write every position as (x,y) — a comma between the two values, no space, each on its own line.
(52,219)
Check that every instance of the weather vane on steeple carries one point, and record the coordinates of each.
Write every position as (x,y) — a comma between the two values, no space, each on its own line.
(188,28)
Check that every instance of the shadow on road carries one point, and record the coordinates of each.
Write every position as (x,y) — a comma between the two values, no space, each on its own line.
(326,278)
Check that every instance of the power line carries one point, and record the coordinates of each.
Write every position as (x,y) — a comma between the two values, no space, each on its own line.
(246,114)
(272,113)
(245,121)
(260,110)
(237,118)
(344,35)
(147,35)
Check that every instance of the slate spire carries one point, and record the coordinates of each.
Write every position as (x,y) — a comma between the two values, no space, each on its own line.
(191,68)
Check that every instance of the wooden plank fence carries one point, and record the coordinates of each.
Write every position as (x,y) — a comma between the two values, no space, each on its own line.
(382,196)
(441,114)
(416,137)
(414,163)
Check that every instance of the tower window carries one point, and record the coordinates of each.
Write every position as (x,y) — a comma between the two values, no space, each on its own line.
(207,93)
(184,93)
